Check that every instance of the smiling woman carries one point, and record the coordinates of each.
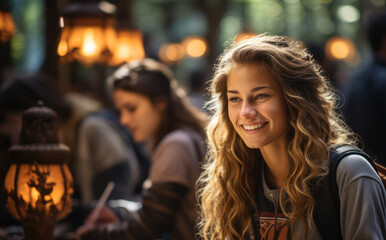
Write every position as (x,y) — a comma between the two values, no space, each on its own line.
(270,138)
(257,107)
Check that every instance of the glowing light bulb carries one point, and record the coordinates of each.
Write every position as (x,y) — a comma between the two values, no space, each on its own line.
(89,45)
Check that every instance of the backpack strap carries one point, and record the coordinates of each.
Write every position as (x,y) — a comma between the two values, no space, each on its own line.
(327,207)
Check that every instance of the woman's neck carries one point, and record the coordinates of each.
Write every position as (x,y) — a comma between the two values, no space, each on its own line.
(277,161)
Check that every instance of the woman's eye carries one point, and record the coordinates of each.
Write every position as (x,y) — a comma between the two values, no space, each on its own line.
(131,109)
(234,99)
(261,96)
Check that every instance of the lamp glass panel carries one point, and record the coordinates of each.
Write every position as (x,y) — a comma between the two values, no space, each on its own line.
(111,36)
(39,188)
(91,44)
(63,47)
(75,37)
(128,46)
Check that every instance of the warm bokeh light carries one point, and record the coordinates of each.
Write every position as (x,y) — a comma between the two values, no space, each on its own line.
(195,46)
(340,48)
(7,26)
(171,53)
(128,46)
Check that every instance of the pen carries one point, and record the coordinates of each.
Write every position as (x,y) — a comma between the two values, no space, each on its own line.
(101,202)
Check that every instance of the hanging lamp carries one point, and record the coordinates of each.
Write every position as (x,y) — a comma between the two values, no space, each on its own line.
(88,33)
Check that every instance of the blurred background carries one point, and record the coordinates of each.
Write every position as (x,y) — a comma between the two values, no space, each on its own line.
(188,35)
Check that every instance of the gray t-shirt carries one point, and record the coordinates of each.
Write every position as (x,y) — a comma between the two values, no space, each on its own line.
(362,197)
(175,160)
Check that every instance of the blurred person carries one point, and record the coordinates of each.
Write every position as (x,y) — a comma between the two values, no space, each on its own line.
(364,107)
(107,152)
(270,138)
(102,151)
(24,92)
(157,112)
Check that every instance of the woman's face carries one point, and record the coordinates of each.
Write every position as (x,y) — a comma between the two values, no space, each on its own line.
(256,106)
(138,114)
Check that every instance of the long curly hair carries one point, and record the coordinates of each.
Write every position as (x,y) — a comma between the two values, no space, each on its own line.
(227,184)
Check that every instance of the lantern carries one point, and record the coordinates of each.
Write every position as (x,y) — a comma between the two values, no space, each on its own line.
(88,33)
(128,45)
(38,182)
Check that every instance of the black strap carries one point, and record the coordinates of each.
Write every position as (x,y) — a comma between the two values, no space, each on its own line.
(327,208)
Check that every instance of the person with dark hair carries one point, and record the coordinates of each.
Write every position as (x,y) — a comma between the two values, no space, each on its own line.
(273,130)
(364,107)
(23,93)
(157,112)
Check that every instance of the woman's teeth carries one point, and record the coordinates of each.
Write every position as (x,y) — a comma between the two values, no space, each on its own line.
(254,127)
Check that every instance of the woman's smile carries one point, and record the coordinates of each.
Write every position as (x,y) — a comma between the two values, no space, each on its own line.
(254,126)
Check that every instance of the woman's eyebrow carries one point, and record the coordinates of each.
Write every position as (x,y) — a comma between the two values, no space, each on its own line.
(232,91)
(253,90)
(128,105)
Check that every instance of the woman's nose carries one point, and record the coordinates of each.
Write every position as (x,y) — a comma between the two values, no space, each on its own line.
(124,118)
(247,110)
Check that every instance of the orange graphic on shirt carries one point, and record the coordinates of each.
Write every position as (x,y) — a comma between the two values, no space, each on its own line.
(267,226)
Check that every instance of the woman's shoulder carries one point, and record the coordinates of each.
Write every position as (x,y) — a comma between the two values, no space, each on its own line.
(180,136)
(361,194)
(177,135)
(175,158)
(356,164)
(181,142)
(353,167)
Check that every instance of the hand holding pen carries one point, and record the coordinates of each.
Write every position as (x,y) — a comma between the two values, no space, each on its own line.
(100,215)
